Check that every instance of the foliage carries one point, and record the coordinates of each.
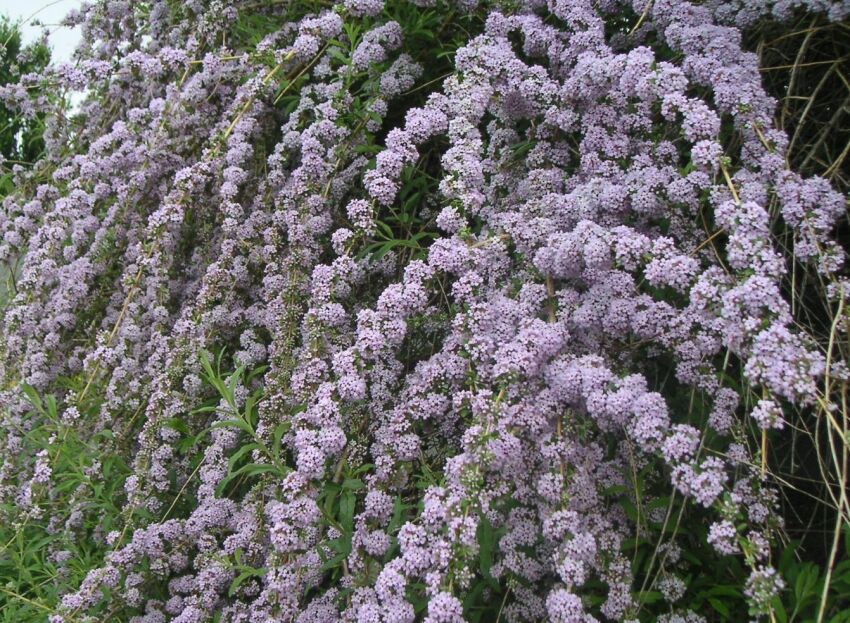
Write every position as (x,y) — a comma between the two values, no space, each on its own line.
(441,311)
(21,140)
(20,136)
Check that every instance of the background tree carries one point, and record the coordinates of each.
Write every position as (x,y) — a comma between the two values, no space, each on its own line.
(20,136)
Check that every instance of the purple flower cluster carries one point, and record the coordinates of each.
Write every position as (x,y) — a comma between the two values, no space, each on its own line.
(516,354)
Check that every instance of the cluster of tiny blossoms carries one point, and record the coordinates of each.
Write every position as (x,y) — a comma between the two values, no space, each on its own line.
(591,220)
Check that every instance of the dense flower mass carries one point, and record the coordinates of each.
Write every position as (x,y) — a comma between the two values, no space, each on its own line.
(391,311)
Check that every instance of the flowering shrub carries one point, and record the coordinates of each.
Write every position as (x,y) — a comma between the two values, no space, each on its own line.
(389,311)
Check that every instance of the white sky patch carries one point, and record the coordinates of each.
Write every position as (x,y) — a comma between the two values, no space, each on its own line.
(63,40)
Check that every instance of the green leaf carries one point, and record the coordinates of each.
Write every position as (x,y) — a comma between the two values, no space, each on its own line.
(258,371)
(353,484)
(346,510)
(279,431)
(33,397)
(723,591)
(718,605)
(487,543)
(234,459)
(779,610)
(176,424)
(248,572)
(335,561)
(649,597)
(237,423)
(337,54)
(807,579)
(841,617)
(205,409)
(51,407)
(251,469)
(368,149)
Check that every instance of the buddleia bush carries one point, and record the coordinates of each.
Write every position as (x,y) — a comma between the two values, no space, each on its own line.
(390,311)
